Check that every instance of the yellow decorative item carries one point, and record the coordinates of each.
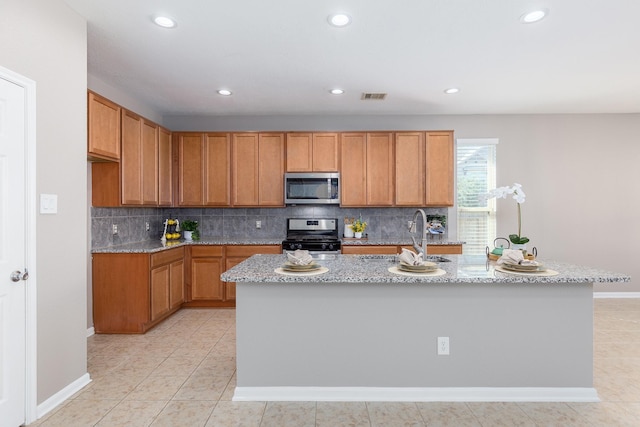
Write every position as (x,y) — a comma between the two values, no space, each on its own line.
(359,225)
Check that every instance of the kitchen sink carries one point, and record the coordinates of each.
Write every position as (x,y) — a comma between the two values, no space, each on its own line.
(394,258)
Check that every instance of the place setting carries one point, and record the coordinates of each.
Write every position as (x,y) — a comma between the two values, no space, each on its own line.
(300,263)
(412,264)
(513,261)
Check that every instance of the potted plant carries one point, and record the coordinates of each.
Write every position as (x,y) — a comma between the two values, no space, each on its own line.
(358,227)
(518,241)
(190,229)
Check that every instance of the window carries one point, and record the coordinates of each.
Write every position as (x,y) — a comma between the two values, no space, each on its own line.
(476,175)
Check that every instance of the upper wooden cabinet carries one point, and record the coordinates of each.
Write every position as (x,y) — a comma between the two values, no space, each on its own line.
(103,142)
(410,164)
(257,169)
(367,169)
(353,169)
(312,152)
(141,173)
(139,162)
(165,168)
(204,164)
(439,169)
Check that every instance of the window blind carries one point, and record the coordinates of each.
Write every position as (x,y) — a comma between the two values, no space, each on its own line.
(476,175)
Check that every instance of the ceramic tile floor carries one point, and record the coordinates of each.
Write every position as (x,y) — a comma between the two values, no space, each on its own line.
(182,374)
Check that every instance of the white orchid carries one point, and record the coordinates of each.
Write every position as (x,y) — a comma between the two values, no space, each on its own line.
(503,192)
(519,196)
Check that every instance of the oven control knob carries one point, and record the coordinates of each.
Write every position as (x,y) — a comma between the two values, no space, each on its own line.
(324,246)
(298,245)
(292,246)
(331,246)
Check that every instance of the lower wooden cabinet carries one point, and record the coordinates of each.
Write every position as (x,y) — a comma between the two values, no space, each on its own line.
(205,265)
(393,249)
(132,292)
(238,253)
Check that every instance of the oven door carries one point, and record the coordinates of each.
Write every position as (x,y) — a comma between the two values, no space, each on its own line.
(319,255)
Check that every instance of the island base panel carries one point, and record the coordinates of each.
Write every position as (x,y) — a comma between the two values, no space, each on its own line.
(337,338)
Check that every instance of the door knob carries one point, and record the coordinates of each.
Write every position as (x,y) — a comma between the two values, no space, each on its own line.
(18,275)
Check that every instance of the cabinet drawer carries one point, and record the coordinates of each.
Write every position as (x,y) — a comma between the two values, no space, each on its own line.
(198,251)
(166,257)
(248,250)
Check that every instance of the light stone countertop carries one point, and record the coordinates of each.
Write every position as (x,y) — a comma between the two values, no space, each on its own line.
(374,269)
(152,246)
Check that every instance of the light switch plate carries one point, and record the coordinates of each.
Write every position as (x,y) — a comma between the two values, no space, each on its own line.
(48,203)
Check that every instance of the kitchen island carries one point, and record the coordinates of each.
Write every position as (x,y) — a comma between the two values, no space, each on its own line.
(359,332)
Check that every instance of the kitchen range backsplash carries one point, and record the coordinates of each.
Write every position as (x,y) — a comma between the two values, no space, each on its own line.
(238,223)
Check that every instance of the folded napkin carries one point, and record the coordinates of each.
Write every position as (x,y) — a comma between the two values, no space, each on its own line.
(299,257)
(515,256)
(410,257)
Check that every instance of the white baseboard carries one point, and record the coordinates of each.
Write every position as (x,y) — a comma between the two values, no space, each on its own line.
(45,407)
(417,394)
(616,294)
(90,331)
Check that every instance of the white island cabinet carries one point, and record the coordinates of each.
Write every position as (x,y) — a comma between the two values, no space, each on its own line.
(359,332)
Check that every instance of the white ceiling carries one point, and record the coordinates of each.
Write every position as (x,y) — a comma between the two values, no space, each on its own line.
(282,57)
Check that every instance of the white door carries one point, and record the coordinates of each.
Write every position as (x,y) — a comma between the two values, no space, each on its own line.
(13,256)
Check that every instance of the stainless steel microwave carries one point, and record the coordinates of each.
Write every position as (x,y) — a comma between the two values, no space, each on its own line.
(312,188)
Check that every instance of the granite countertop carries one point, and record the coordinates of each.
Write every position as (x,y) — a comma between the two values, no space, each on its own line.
(374,269)
(151,246)
(392,242)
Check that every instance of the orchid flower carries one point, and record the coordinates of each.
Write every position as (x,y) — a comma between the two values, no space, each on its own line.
(519,196)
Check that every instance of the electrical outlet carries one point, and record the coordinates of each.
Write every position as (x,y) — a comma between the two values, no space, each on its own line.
(114,228)
(443,346)
(258,224)
(146,226)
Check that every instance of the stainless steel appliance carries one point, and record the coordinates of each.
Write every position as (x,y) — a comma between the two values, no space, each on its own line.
(312,188)
(319,236)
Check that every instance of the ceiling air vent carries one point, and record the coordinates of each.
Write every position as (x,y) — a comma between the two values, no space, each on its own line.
(373,96)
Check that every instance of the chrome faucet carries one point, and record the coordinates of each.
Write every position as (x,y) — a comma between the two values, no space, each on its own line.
(422,248)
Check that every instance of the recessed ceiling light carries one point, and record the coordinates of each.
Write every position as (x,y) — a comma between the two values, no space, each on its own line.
(336,91)
(164,21)
(533,16)
(452,90)
(224,92)
(339,20)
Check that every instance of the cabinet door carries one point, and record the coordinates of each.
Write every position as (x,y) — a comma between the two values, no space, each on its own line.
(271,169)
(353,169)
(409,176)
(299,152)
(325,152)
(149,163)
(165,168)
(380,169)
(103,128)
(130,172)
(190,169)
(205,279)
(439,169)
(176,284)
(245,169)
(217,171)
(160,279)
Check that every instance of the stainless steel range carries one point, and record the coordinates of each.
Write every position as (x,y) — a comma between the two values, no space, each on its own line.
(319,236)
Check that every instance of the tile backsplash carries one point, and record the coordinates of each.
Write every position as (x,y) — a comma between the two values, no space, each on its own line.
(239,223)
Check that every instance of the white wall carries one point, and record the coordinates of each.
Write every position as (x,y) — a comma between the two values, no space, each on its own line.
(45,41)
(579,172)
(123,99)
